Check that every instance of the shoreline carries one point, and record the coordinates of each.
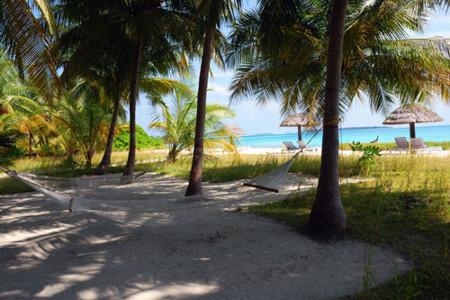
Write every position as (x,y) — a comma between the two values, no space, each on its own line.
(318,151)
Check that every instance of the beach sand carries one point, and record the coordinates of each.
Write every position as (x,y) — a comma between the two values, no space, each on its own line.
(174,249)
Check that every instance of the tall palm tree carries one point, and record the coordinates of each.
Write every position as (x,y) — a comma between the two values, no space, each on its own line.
(375,61)
(208,15)
(146,27)
(327,214)
(110,73)
(281,48)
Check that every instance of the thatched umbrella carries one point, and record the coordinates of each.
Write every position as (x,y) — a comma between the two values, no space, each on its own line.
(234,129)
(298,120)
(412,114)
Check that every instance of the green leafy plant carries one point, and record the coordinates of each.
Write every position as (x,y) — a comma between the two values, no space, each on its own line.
(410,287)
(69,163)
(368,279)
(143,140)
(177,120)
(367,160)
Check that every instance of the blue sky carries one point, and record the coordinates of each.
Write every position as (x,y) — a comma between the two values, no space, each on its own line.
(255,119)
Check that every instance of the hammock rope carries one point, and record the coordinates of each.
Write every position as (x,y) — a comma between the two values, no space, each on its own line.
(272,179)
(128,210)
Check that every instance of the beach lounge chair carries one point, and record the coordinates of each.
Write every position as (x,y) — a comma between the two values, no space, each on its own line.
(301,145)
(402,144)
(419,145)
(289,146)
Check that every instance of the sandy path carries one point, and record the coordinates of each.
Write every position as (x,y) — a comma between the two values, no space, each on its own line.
(172,249)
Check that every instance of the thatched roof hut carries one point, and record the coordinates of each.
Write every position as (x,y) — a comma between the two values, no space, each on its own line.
(412,114)
(299,120)
(234,129)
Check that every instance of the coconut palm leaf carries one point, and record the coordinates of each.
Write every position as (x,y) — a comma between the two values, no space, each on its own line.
(27,43)
(378,62)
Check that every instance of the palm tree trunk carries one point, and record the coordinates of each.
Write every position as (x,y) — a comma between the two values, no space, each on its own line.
(106,160)
(127,176)
(195,178)
(30,144)
(89,155)
(327,214)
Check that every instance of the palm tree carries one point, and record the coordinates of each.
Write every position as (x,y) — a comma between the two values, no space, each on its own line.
(281,51)
(11,87)
(20,110)
(83,114)
(109,72)
(375,61)
(28,42)
(144,27)
(327,214)
(178,123)
(209,15)
(8,140)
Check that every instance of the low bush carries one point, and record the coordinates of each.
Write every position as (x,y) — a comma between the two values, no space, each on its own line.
(143,140)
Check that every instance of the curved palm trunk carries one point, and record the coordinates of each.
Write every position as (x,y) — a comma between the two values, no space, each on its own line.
(127,176)
(327,215)
(30,144)
(106,160)
(195,178)
(89,154)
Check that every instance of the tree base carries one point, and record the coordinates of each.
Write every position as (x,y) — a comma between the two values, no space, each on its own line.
(101,170)
(322,235)
(126,179)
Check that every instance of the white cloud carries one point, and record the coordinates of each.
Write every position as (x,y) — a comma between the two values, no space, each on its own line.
(216,88)
(222,74)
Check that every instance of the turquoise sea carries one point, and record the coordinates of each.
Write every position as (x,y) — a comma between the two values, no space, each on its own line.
(357,134)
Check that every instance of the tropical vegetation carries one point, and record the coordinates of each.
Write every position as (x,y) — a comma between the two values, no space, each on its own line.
(297,52)
(143,140)
(178,120)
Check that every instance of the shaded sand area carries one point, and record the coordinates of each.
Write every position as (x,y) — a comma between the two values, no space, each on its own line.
(172,248)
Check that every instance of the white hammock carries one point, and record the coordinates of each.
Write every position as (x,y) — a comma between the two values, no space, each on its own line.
(123,210)
(272,179)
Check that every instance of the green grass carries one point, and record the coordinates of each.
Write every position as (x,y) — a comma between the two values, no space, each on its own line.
(55,166)
(43,164)
(406,208)
(227,169)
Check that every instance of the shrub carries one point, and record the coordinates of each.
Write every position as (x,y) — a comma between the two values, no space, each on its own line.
(367,160)
(143,140)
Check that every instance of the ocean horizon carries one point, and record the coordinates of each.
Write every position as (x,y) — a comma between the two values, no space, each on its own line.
(385,134)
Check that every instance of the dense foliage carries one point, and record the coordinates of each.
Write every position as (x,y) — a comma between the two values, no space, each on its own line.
(143,140)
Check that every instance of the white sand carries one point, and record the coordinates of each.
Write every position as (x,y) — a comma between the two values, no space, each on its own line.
(318,151)
(178,250)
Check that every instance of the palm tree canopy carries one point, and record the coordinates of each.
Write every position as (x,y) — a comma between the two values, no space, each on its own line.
(28,43)
(283,55)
